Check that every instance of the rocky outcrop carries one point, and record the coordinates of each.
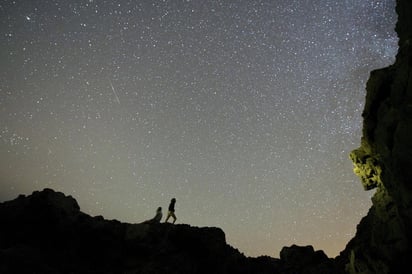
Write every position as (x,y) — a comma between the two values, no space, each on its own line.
(382,243)
(304,259)
(47,233)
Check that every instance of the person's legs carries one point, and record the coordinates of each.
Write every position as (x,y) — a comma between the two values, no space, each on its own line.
(169,214)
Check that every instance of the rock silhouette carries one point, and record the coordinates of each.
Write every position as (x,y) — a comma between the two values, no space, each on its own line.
(46,232)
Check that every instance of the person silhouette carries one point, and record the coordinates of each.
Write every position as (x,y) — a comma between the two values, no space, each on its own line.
(156,219)
(171,212)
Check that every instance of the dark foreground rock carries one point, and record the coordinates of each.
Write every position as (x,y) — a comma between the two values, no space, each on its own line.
(47,233)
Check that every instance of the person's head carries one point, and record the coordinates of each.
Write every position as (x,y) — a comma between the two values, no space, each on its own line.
(159,209)
(173,200)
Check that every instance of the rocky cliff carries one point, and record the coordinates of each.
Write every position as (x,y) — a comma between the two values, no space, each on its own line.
(384,162)
(46,232)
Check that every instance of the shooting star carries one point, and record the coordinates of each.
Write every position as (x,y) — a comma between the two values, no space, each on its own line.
(114,92)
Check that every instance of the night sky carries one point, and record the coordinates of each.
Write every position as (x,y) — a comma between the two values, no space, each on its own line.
(244,111)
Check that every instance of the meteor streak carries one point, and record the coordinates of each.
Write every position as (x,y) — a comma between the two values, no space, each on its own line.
(114,92)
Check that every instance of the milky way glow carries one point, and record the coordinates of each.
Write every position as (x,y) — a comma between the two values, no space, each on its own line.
(245,111)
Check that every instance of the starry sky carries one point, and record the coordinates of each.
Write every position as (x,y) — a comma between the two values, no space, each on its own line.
(245,111)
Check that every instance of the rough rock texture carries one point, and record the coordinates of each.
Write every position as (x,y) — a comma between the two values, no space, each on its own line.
(47,233)
(384,162)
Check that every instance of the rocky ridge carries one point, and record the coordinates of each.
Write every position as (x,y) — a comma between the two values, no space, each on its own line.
(46,232)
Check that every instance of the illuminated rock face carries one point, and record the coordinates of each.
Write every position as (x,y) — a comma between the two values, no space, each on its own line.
(384,162)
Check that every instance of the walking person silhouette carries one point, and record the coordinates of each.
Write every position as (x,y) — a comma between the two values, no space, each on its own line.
(171,212)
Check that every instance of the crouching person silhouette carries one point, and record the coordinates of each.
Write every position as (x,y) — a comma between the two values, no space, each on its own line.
(156,219)
(171,212)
